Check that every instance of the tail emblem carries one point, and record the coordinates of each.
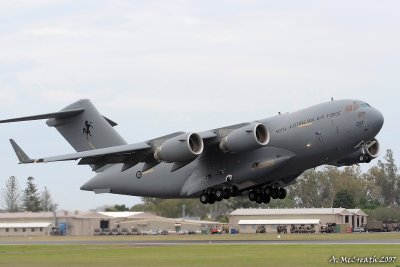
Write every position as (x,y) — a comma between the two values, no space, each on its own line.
(86,129)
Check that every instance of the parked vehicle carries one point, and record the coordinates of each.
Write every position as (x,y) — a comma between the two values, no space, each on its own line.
(328,228)
(183,232)
(115,231)
(164,232)
(260,229)
(216,231)
(105,231)
(124,231)
(135,231)
(358,229)
(191,232)
(374,226)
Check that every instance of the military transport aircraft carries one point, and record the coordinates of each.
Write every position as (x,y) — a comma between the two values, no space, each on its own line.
(257,158)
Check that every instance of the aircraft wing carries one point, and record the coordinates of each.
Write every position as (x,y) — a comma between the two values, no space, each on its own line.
(130,155)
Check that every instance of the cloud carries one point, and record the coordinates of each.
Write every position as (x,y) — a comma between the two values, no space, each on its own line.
(59,96)
(54,32)
(7,95)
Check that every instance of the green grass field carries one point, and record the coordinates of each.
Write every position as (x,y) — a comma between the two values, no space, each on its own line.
(352,236)
(195,255)
(190,255)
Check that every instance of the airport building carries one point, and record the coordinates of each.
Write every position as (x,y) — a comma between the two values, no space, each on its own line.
(295,220)
(80,223)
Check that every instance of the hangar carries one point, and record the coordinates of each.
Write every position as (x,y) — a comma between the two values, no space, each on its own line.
(22,229)
(80,223)
(295,220)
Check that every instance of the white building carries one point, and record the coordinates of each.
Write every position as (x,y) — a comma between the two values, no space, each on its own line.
(80,223)
(247,220)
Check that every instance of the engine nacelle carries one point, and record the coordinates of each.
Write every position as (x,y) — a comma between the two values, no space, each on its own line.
(371,149)
(247,138)
(181,148)
(365,154)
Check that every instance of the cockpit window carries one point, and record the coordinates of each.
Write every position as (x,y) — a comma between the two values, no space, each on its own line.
(365,105)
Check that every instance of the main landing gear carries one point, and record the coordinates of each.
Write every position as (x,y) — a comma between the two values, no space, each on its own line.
(210,195)
(264,195)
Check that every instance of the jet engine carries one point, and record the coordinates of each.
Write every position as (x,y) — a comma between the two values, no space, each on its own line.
(247,138)
(181,148)
(367,152)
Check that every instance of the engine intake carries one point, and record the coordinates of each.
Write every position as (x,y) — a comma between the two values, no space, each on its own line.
(371,149)
(247,138)
(365,154)
(181,148)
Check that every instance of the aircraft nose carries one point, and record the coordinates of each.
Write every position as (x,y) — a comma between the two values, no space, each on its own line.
(377,120)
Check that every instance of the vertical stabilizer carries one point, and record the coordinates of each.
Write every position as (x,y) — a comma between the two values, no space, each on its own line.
(88,129)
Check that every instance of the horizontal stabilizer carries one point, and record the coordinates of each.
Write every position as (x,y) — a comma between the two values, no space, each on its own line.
(22,157)
(60,114)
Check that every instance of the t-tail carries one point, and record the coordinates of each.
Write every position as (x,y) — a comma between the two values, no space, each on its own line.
(81,125)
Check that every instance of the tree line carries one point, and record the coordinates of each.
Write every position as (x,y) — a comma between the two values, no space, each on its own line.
(376,191)
(14,199)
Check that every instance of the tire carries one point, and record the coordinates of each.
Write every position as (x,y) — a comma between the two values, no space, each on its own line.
(204,198)
(274,193)
(227,193)
(266,198)
(267,190)
(219,194)
(259,198)
(234,191)
(211,199)
(282,193)
(252,195)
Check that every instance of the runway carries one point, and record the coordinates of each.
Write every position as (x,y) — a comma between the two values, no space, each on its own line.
(200,242)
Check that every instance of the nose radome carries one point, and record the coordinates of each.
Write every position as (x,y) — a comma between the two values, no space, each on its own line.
(377,120)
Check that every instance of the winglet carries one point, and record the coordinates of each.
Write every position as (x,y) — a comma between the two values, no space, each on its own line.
(23,158)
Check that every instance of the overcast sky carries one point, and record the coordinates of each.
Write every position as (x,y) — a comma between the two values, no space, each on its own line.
(157,67)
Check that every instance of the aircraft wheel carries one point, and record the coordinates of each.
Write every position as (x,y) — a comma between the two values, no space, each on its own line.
(282,193)
(252,195)
(274,193)
(234,191)
(204,198)
(211,199)
(267,190)
(364,158)
(259,198)
(227,193)
(219,194)
(266,198)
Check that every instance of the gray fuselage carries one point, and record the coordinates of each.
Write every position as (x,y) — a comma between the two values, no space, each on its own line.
(317,135)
